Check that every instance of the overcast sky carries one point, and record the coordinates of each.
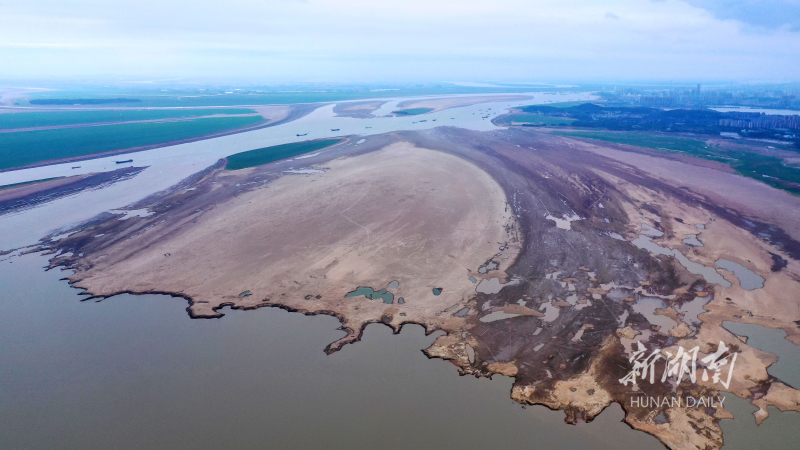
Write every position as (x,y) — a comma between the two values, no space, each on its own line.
(402,40)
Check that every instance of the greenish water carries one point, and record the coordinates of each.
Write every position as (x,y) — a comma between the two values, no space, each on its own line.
(412,111)
(134,372)
(269,154)
(29,147)
(44,119)
(383,295)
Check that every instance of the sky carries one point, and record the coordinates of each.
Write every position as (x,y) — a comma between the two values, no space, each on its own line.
(401,40)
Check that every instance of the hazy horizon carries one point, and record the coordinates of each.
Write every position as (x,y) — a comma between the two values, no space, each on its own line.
(388,42)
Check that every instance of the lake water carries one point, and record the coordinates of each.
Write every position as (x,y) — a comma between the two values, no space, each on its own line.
(774,341)
(134,372)
(779,432)
(747,278)
(708,273)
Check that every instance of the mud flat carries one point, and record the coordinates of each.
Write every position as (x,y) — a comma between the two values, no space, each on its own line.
(278,113)
(447,210)
(359,110)
(29,195)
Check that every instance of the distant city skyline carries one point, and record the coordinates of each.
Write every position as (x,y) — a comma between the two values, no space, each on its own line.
(393,41)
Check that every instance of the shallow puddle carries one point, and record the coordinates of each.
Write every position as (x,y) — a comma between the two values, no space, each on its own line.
(647,306)
(565,222)
(691,239)
(747,278)
(497,315)
(493,285)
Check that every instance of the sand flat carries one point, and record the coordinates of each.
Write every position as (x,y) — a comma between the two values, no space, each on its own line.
(402,213)
(439,104)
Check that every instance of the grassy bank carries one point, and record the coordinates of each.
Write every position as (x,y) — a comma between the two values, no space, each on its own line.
(54,118)
(648,140)
(412,111)
(30,147)
(565,104)
(767,169)
(537,119)
(24,183)
(276,152)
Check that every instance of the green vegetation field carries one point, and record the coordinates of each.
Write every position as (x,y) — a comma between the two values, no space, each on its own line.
(767,169)
(565,104)
(269,154)
(648,140)
(412,111)
(541,119)
(29,147)
(7,186)
(282,95)
(44,119)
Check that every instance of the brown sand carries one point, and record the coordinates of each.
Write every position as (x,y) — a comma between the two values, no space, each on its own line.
(358,109)
(421,217)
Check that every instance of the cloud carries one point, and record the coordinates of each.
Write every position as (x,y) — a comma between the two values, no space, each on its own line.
(390,40)
(34,45)
(769,14)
